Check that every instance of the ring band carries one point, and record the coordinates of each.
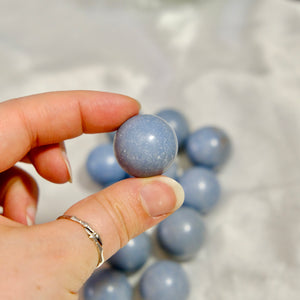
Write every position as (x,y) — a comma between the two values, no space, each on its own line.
(92,234)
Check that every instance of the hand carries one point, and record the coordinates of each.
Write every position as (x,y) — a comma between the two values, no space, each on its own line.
(53,260)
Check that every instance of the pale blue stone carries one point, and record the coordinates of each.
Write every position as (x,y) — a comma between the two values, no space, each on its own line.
(173,171)
(103,167)
(133,255)
(182,234)
(208,146)
(201,187)
(164,280)
(145,145)
(107,284)
(111,135)
(178,122)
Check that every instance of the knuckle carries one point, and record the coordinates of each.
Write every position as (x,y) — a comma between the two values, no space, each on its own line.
(121,215)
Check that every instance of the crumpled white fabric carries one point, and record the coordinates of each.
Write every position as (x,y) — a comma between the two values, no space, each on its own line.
(232,63)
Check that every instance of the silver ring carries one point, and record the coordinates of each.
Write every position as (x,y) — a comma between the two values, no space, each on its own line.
(92,234)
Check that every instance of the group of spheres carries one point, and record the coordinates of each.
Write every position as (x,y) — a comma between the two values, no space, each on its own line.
(147,145)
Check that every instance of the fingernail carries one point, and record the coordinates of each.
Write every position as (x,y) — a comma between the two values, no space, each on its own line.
(30,215)
(161,196)
(67,162)
(19,189)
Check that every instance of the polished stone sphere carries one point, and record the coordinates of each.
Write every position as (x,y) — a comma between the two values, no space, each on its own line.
(133,255)
(182,234)
(164,280)
(208,146)
(201,188)
(111,135)
(102,165)
(107,284)
(145,145)
(178,122)
(173,171)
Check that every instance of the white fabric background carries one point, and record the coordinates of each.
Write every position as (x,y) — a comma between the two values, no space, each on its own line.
(232,63)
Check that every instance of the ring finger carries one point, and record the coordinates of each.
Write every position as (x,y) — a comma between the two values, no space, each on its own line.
(18,196)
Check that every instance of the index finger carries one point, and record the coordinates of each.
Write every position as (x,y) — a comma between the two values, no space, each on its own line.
(50,118)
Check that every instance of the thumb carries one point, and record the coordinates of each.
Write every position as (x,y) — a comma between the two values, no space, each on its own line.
(117,213)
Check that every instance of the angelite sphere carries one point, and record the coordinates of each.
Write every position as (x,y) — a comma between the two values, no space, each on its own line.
(133,255)
(165,280)
(208,146)
(107,284)
(103,167)
(178,122)
(201,188)
(145,145)
(173,171)
(111,135)
(182,234)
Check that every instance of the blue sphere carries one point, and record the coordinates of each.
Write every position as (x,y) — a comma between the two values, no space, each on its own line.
(145,145)
(201,187)
(208,146)
(164,280)
(173,171)
(103,167)
(182,234)
(178,122)
(111,135)
(134,255)
(107,284)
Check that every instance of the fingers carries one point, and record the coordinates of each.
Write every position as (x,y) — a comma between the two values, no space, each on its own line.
(50,118)
(51,162)
(18,196)
(125,210)
(118,214)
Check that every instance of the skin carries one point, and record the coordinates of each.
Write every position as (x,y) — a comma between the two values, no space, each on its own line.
(53,260)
